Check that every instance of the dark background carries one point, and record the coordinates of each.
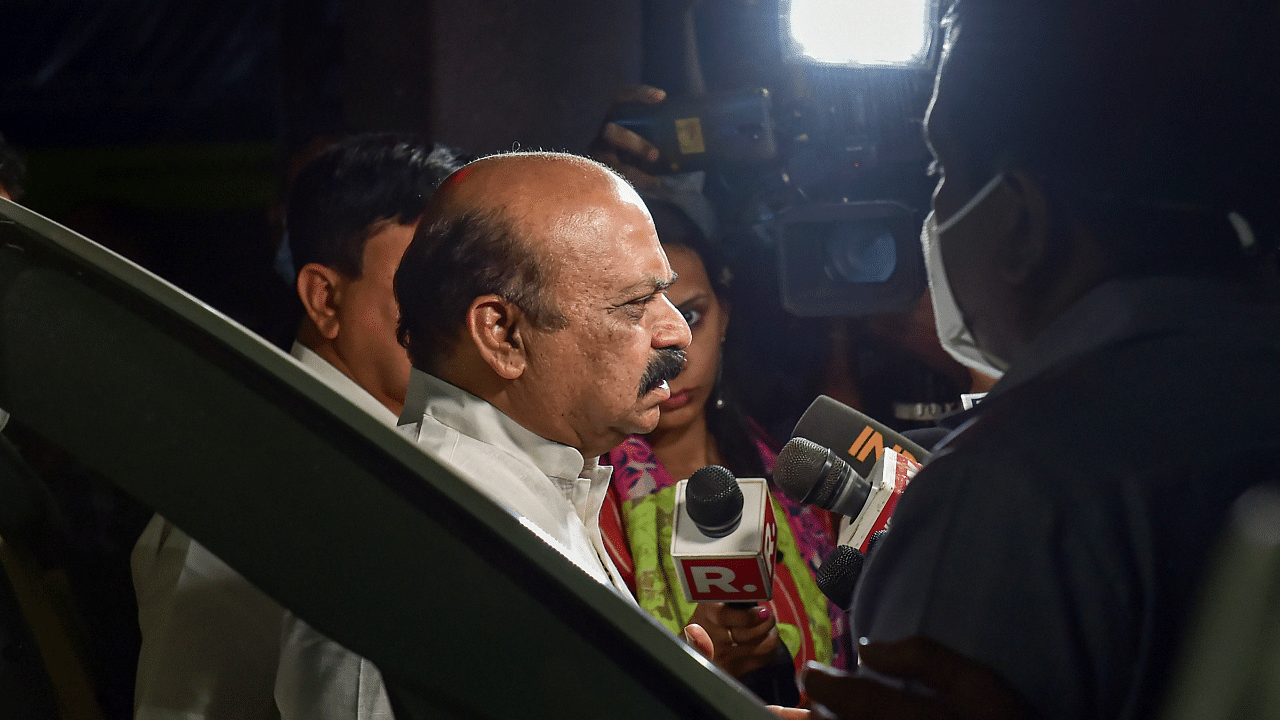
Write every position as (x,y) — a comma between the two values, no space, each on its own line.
(166,129)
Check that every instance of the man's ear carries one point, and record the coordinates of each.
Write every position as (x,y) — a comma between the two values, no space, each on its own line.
(1026,249)
(320,289)
(496,327)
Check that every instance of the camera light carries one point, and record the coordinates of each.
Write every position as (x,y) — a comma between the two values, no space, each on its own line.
(860,33)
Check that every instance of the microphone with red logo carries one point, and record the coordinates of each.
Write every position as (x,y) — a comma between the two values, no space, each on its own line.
(724,543)
(724,537)
(815,475)
(844,461)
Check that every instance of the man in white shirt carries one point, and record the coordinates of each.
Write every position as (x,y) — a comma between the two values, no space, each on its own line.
(212,642)
(533,307)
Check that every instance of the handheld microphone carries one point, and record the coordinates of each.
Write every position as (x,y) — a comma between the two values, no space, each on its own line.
(814,475)
(724,545)
(724,538)
(838,575)
(856,438)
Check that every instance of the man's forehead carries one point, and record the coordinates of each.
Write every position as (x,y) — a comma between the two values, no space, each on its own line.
(608,261)
(649,284)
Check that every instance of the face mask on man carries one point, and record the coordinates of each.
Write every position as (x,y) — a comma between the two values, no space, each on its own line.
(952,330)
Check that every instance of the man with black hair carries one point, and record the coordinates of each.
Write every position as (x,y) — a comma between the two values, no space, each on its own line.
(1103,234)
(533,308)
(214,646)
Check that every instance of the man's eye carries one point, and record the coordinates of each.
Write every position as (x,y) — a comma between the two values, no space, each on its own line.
(635,309)
(692,316)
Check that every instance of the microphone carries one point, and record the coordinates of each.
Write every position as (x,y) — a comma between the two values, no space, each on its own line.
(838,575)
(815,475)
(714,500)
(724,545)
(724,538)
(855,438)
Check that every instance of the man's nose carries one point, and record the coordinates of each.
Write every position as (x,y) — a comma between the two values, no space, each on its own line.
(671,330)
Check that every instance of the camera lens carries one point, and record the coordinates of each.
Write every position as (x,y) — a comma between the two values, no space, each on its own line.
(860,252)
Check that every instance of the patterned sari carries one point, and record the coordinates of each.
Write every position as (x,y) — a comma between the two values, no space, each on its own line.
(636,522)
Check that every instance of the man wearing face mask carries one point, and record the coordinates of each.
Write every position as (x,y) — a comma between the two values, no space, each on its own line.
(1103,236)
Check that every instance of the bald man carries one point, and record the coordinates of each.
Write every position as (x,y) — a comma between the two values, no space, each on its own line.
(534,311)
(533,307)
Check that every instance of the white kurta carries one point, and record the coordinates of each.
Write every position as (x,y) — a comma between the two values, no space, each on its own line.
(547,484)
(214,646)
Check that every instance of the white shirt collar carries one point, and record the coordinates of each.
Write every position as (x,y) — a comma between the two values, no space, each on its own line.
(345,386)
(458,409)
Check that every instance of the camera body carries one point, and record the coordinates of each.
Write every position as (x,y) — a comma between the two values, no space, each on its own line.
(697,132)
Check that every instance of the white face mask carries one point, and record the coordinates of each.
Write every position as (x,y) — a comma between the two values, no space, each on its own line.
(952,331)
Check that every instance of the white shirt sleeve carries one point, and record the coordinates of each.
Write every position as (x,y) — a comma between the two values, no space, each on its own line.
(318,679)
(209,637)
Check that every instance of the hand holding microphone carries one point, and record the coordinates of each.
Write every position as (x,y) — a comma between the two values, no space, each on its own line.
(724,543)
(744,639)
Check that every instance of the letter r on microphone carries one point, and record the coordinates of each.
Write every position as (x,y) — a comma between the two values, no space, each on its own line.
(725,579)
(704,578)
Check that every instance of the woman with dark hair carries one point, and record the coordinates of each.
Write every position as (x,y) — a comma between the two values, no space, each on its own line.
(701,425)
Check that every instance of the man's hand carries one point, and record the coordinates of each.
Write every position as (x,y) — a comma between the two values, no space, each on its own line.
(963,688)
(623,150)
(744,639)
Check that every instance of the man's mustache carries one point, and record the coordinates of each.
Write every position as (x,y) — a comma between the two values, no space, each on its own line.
(665,365)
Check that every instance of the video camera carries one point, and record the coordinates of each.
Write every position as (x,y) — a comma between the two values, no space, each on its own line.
(832,176)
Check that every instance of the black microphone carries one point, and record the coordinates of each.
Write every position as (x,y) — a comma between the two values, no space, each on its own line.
(814,475)
(838,575)
(856,438)
(714,501)
(875,538)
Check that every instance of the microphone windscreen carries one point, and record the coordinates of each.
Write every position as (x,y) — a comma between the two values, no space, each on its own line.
(799,468)
(714,500)
(838,575)
(816,476)
(875,538)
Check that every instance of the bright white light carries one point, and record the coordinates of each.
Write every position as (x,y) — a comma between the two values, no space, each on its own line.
(860,32)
